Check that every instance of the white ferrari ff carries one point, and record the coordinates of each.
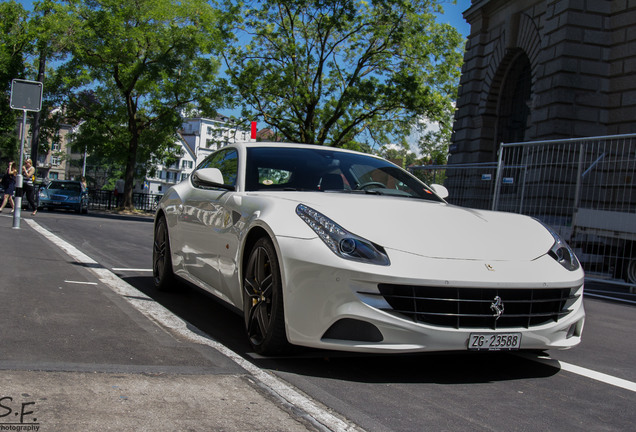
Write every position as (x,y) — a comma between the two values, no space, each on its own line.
(335,249)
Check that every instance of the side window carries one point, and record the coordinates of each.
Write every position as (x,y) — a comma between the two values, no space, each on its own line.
(226,161)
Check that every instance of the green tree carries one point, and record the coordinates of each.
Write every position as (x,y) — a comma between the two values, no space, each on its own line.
(15,43)
(332,72)
(46,30)
(435,137)
(133,68)
(399,154)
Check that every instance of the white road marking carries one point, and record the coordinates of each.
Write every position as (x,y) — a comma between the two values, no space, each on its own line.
(131,270)
(164,317)
(588,373)
(608,379)
(80,283)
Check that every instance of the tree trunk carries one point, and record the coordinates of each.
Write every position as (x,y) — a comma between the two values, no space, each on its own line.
(129,176)
(35,132)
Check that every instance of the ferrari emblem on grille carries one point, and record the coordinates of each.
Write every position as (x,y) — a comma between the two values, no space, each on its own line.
(497,307)
(489,267)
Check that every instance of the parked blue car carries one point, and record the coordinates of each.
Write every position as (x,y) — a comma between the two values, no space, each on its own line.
(64,194)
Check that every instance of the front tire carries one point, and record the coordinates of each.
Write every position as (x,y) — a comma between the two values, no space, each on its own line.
(162,274)
(263,300)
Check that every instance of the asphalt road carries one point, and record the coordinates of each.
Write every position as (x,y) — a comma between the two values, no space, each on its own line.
(591,387)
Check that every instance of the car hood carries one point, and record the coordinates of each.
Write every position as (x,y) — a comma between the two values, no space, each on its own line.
(433,229)
(63,192)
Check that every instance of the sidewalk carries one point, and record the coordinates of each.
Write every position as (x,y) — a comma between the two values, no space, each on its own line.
(75,356)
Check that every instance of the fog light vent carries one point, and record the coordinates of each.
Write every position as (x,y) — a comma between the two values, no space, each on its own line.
(353,330)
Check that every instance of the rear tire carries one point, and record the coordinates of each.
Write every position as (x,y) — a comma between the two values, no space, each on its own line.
(162,274)
(263,301)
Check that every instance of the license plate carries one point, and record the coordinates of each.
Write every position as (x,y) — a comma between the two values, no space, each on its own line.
(494,341)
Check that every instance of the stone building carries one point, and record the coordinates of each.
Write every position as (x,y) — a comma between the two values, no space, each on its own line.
(544,69)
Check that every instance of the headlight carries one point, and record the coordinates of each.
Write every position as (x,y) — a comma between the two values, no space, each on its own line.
(341,242)
(43,193)
(561,252)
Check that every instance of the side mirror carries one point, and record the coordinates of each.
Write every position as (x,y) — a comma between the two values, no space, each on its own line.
(440,190)
(209,177)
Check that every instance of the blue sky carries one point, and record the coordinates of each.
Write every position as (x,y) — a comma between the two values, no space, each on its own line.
(453,16)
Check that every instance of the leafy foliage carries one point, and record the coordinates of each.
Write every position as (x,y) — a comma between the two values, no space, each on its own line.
(435,137)
(15,43)
(132,68)
(330,71)
(354,74)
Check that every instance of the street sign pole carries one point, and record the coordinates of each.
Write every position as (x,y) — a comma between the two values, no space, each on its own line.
(25,96)
(20,179)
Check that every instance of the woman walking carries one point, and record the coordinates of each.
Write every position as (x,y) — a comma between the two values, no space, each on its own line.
(28,170)
(8,183)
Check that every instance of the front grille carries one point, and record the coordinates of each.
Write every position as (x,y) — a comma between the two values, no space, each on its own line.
(474,307)
(59,197)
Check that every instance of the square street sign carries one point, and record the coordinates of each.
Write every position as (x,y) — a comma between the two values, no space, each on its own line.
(26,95)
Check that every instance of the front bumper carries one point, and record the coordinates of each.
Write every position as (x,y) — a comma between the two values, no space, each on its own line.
(60,204)
(335,304)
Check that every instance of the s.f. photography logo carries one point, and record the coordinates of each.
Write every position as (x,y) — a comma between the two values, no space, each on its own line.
(17,416)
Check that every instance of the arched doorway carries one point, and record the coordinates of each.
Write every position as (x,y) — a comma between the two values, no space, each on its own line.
(513,103)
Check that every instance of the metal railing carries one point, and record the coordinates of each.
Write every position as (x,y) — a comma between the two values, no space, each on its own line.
(470,185)
(109,200)
(584,188)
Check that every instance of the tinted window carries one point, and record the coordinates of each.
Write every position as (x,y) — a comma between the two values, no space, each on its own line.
(73,187)
(309,169)
(226,160)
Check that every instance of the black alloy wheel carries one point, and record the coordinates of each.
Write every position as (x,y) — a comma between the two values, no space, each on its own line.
(161,262)
(263,300)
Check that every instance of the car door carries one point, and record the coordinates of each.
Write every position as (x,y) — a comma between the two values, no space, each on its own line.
(204,222)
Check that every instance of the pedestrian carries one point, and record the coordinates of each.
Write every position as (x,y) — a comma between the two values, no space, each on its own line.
(28,188)
(83,182)
(8,183)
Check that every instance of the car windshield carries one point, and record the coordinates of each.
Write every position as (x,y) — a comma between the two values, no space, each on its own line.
(62,186)
(310,169)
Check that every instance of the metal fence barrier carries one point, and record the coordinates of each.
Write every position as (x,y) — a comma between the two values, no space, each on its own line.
(109,200)
(584,188)
(470,185)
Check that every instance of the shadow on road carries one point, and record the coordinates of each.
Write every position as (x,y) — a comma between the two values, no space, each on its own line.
(225,326)
(119,216)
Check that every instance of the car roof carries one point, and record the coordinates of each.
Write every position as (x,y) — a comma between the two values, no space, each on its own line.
(273,144)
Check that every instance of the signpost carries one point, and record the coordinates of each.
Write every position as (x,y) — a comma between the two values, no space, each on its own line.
(26,96)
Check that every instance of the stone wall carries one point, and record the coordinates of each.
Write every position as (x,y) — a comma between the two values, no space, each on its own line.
(581,56)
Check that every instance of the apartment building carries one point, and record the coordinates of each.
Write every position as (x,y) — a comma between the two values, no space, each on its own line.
(198,138)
